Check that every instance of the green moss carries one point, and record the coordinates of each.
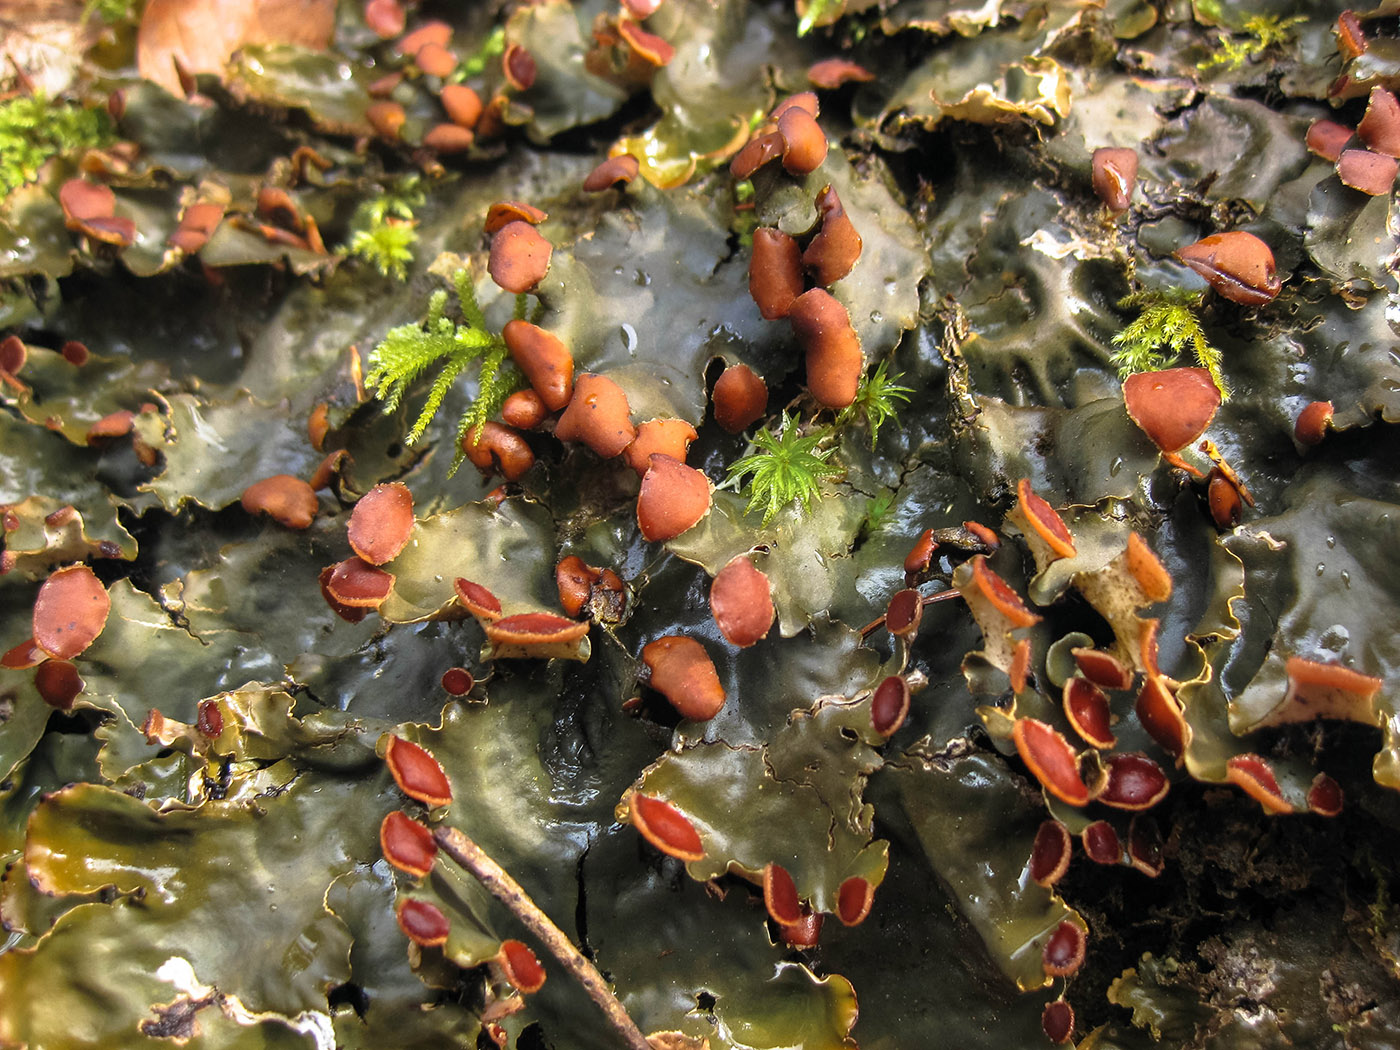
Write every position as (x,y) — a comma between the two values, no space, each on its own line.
(820,13)
(112,11)
(411,350)
(1260,33)
(33,129)
(491,48)
(789,468)
(1166,328)
(388,245)
(877,400)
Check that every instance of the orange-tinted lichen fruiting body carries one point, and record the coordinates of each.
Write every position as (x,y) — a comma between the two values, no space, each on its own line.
(832,73)
(780,896)
(805,932)
(648,46)
(804,141)
(757,152)
(997,591)
(1114,176)
(457,681)
(519,257)
(1160,713)
(1223,499)
(502,213)
(1313,422)
(804,100)
(666,827)
(533,629)
(287,500)
(58,682)
(1327,139)
(740,398)
(1255,777)
(597,415)
(381,523)
(833,252)
(1380,127)
(435,59)
(741,602)
(417,772)
(1086,707)
(70,612)
(775,272)
(1366,171)
(1147,571)
(669,437)
(477,599)
(1351,37)
(385,17)
(1100,841)
(1145,845)
(524,410)
(889,705)
(1103,669)
(1236,264)
(434,32)
(574,579)
(1057,1022)
(1325,796)
(834,363)
(519,67)
(1134,782)
(448,138)
(545,360)
(520,966)
(854,897)
(1051,759)
(1064,951)
(1050,853)
(615,171)
(348,613)
(494,447)
(462,104)
(674,497)
(386,117)
(359,584)
(1044,519)
(407,844)
(683,672)
(1173,407)
(25,654)
(13,354)
(423,923)
(904,613)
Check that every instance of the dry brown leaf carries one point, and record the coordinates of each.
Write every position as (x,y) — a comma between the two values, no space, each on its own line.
(201,35)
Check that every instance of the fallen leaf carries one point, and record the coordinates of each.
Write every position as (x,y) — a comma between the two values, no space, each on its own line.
(201,35)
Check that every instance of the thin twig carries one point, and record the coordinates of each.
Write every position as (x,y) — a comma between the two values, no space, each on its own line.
(509,892)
